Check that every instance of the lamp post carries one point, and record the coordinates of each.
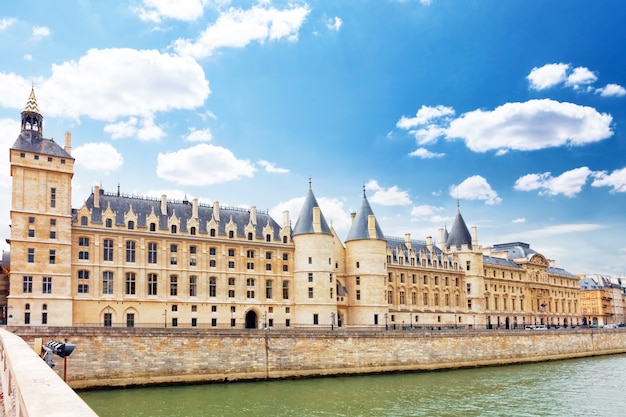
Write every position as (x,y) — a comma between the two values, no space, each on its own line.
(386,325)
(332,321)
(265,319)
(165,318)
(455,321)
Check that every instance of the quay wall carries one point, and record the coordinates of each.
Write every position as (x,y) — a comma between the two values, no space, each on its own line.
(117,357)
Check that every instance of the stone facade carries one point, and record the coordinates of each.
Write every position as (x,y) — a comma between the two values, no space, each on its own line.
(128,261)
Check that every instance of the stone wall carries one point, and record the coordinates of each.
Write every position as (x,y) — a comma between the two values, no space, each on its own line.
(107,357)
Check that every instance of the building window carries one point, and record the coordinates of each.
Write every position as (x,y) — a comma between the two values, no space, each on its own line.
(27,317)
(212,263)
(109,223)
(268,267)
(250,282)
(107,282)
(174,319)
(83,255)
(53,256)
(268,255)
(47,285)
(83,241)
(212,251)
(27,285)
(152,253)
(31,233)
(231,252)
(173,248)
(152,284)
(310,292)
(194,321)
(249,236)
(212,287)
(130,320)
(131,281)
(358,295)
(310,276)
(153,227)
(268,289)
(212,233)
(358,280)
(194,308)
(131,225)
(174,228)
(213,322)
(285,290)
(193,249)
(285,256)
(173,285)
(83,220)
(193,231)
(250,294)
(231,293)
(108,250)
(53,197)
(130,251)
(192,261)
(231,234)
(231,264)
(310,260)
(285,268)
(83,282)
(193,287)
(173,260)
(316,319)
(174,307)
(53,234)
(250,266)
(31,255)
(231,281)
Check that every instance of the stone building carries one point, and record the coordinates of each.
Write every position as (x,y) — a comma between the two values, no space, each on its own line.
(121,260)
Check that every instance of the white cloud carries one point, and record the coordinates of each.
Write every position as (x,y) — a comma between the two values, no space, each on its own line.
(519,220)
(427,212)
(9,131)
(334,24)
(106,84)
(547,76)
(426,154)
(568,183)
(387,197)
(611,90)
(143,129)
(40,32)
(237,28)
(580,76)
(475,188)
(532,125)
(271,168)
(424,115)
(7,22)
(559,230)
(202,164)
(156,10)
(28,57)
(616,180)
(202,135)
(102,157)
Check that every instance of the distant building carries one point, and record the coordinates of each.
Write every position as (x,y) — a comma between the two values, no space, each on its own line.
(603,300)
(121,260)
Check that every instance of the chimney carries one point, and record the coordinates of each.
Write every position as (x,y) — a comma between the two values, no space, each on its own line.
(352,216)
(216,211)
(68,142)
(164,205)
(474,237)
(407,240)
(371,226)
(194,208)
(286,218)
(317,215)
(253,215)
(429,243)
(442,238)
(96,196)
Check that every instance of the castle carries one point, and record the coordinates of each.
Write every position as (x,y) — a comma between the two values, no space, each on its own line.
(129,261)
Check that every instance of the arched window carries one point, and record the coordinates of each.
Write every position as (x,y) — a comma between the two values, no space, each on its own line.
(212,233)
(174,228)
(193,231)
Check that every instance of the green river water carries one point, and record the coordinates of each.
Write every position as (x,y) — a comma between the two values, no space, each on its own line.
(581,387)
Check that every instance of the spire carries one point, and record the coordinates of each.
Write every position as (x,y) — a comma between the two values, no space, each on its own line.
(459,234)
(364,225)
(31,117)
(311,219)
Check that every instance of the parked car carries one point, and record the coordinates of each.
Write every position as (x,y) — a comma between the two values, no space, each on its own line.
(536,327)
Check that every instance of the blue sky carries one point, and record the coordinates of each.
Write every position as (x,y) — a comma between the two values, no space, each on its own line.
(515,109)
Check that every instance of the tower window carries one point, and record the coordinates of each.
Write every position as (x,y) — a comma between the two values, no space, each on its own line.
(53,197)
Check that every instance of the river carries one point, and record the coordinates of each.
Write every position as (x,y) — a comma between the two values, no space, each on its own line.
(579,387)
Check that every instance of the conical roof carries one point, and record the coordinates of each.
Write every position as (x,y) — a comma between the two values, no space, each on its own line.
(31,103)
(359,228)
(459,234)
(304,225)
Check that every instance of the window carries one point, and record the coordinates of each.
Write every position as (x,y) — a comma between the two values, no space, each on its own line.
(358,295)
(310,276)
(107,250)
(268,255)
(231,281)
(83,254)
(131,225)
(31,220)
(173,285)
(212,263)
(83,241)
(194,321)
(152,253)
(231,264)
(31,233)
(310,292)
(315,319)
(268,238)
(285,256)
(250,293)
(231,234)
(268,267)
(47,285)
(358,280)
(193,249)
(213,322)
(174,228)
(152,227)
(53,234)
(231,252)
(152,284)
(285,290)
(173,260)
(268,289)
(249,236)
(131,281)
(174,307)
(173,248)
(193,287)
(27,317)
(250,266)
(109,223)
(193,233)
(27,284)
(130,320)
(212,287)
(53,256)
(249,254)
(53,197)
(231,293)
(212,251)
(83,220)
(192,261)
(194,308)
(285,268)
(250,282)
(212,233)
(31,255)
(174,319)
(130,251)
(83,282)
(107,282)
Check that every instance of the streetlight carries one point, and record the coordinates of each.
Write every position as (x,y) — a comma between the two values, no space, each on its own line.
(265,319)
(386,325)
(165,318)
(332,321)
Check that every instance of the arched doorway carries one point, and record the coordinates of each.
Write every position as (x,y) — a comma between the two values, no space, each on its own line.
(251,320)
(507,323)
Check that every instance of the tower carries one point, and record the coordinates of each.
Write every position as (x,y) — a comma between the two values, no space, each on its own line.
(41,217)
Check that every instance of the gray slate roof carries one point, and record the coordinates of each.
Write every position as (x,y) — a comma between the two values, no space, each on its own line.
(143,207)
(304,225)
(32,141)
(359,229)
(459,235)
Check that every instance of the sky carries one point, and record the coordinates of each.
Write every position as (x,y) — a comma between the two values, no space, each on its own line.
(512,112)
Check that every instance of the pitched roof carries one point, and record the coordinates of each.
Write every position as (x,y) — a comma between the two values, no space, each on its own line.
(459,234)
(359,228)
